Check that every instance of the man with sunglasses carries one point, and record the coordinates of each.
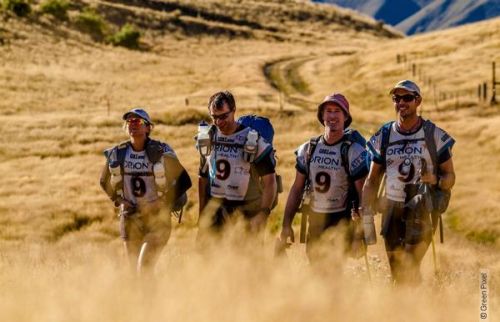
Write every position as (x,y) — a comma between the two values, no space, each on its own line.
(144,178)
(412,152)
(229,181)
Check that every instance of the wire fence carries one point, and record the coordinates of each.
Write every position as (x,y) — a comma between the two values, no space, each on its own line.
(483,93)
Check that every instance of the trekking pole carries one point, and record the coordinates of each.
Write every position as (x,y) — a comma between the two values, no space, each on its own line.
(433,246)
(441,234)
(365,250)
(427,191)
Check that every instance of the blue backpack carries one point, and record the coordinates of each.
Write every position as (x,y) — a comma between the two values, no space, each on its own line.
(265,129)
(260,124)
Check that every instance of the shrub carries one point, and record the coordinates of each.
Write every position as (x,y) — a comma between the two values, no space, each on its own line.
(92,23)
(20,7)
(128,36)
(56,8)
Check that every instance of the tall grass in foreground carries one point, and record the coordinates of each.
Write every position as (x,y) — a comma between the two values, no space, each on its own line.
(234,282)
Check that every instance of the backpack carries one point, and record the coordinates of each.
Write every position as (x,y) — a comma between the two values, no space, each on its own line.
(265,129)
(154,152)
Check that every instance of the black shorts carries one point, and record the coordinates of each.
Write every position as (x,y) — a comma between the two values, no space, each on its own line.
(401,226)
(228,209)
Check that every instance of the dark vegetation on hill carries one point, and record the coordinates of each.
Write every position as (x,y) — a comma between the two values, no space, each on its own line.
(134,23)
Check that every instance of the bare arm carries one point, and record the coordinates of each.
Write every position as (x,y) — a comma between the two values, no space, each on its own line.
(371,185)
(269,183)
(447,176)
(358,184)
(292,205)
(105,182)
(294,199)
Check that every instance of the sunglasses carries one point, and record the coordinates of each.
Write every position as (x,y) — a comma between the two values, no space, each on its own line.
(136,121)
(221,117)
(406,98)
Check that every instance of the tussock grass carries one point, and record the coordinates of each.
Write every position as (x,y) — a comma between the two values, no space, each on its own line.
(52,280)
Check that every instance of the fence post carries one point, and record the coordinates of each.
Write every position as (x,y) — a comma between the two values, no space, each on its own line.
(280,100)
(435,98)
(108,105)
(493,86)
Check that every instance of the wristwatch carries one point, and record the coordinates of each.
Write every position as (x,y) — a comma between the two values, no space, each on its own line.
(265,210)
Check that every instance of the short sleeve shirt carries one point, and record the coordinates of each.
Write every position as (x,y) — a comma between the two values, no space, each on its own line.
(327,175)
(138,179)
(229,173)
(404,155)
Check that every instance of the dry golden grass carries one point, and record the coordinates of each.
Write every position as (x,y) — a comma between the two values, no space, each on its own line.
(59,249)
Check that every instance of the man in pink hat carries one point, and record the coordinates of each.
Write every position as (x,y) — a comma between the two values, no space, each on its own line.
(330,172)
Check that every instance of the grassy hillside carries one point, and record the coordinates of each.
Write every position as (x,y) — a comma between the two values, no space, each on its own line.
(63,94)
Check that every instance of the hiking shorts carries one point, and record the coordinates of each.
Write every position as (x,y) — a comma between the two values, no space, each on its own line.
(149,227)
(400,226)
(228,209)
(320,222)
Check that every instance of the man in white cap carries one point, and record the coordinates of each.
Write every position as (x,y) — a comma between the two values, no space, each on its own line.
(144,178)
(412,152)
(330,172)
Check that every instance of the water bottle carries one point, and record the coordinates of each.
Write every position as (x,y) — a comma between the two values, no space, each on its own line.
(250,147)
(116,178)
(160,179)
(203,141)
(369,227)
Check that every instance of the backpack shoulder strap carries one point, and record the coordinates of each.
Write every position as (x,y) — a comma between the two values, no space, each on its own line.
(154,150)
(313,143)
(429,129)
(386,135)
(117,154)
(344,155)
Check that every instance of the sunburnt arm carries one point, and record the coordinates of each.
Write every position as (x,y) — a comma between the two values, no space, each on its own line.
(269,190)
(371,186)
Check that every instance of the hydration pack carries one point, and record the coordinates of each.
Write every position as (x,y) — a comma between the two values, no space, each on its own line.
(350,136)
(262,125)
(259,123)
